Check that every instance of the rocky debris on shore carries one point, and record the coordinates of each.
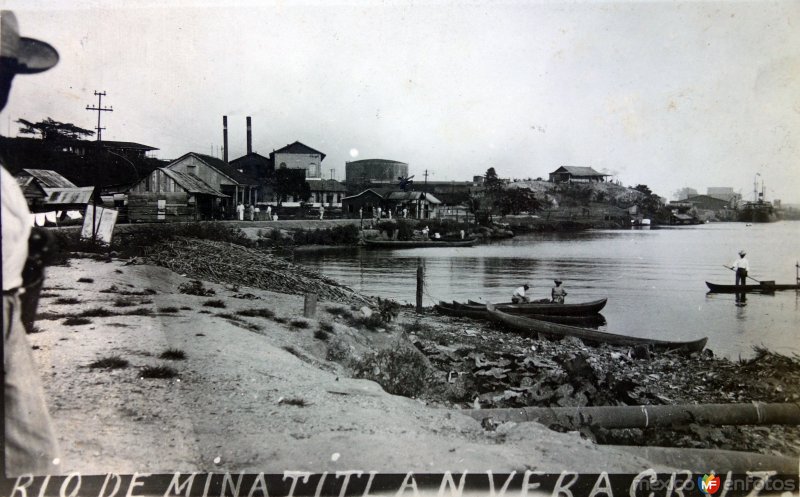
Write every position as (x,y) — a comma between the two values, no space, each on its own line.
(479,365)
(228,263)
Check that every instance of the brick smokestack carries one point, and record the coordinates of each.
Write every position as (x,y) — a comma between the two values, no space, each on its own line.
(249,136)
(225,138)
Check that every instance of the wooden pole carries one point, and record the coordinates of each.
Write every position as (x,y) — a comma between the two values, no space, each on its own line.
(420,282)
(310,305)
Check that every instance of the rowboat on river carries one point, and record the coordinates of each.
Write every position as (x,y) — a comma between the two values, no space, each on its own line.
(479,312)
(407,244)
(547,307)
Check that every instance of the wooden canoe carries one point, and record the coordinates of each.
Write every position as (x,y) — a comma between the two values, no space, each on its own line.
(401,244)
(765,287)
(479,312)
(549,308)
(554,330)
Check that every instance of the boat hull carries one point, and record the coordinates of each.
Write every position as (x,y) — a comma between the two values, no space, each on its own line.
(549,308)
(400,244)
(474,312)
(554,330)
(765,288)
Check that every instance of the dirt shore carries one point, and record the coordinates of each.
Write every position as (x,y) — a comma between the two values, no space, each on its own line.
(253,394)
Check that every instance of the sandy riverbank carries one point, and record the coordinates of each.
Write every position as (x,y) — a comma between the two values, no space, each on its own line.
(253,394)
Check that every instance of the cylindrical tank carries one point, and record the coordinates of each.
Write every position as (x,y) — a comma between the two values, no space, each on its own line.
(366,171)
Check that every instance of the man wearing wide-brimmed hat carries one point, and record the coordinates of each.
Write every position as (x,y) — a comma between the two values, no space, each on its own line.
(30,445)
(741,266)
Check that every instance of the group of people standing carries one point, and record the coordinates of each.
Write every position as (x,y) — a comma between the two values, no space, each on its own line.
(557,294)
(247,212)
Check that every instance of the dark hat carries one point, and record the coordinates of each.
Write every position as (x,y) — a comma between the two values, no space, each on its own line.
(558,281)
(742,253)
(31,55)
(525,285)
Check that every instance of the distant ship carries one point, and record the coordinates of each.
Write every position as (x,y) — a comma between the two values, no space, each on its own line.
(760,210)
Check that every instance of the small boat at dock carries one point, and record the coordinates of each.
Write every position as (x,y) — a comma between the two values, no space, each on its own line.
(456,309)
(558,331)
(548,308)
(407,244)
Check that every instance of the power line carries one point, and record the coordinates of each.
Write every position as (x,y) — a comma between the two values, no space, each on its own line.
(100,109)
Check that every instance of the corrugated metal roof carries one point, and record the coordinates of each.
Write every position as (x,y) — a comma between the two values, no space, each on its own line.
(579,171)
(191,183)
(77,195)
(413,196)
(226,169)
(50,179)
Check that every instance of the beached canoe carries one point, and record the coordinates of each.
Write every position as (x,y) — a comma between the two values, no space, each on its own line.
(765,287)
(549,308)
(401,244)
(479,312)
(554,330)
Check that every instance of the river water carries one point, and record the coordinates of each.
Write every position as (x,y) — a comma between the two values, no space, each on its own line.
(654,279)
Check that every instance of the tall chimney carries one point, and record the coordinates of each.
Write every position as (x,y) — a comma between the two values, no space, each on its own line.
(225,138)
(249,136)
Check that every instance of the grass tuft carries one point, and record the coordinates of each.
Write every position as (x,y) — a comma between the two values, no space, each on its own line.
(260,313)
(85,280)
(298,323)
(168,310)
(173,355)
(142,311)
(124,303)
(219,304)
(97,312)
(321,334)
(111,362)
(294,401)
(67,301)
(157,372)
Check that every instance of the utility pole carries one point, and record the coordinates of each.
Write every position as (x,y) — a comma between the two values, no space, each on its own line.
(96,194)
(100,109)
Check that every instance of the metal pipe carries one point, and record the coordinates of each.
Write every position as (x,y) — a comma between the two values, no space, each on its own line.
(756,413)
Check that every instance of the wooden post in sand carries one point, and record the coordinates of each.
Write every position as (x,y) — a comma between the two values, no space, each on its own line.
(310,305)
(420,282)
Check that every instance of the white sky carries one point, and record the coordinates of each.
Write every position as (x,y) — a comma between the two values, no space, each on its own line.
(668,94)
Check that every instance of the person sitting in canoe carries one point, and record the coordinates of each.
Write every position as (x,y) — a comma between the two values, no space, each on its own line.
(558,293)
(519,297)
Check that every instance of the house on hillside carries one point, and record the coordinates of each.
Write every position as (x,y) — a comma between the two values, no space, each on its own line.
(235,186)
(173,195)
(48,191)
(128,149)
(573,174)
(299,156)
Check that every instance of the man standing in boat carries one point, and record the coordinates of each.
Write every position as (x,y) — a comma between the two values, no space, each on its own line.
(558,293)
(519,297)
(741,266)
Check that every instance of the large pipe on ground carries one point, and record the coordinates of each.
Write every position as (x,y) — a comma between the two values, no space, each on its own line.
(648,416)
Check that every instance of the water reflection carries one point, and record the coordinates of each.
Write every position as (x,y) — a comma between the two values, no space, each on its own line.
(654,279)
